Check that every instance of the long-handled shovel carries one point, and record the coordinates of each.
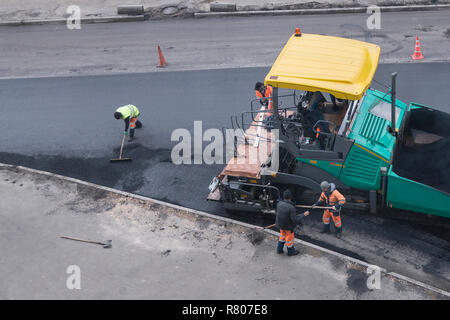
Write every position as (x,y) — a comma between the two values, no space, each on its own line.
(313,207)
(256,233)
(121,150)
(106,244)
(298,206)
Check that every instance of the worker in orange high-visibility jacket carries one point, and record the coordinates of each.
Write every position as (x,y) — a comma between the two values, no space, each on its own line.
(264,94)
(331,197)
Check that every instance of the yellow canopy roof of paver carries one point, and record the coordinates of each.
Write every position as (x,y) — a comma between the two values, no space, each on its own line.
(340,66)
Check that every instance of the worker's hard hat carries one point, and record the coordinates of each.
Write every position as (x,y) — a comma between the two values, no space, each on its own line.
(258,85)
(325,186)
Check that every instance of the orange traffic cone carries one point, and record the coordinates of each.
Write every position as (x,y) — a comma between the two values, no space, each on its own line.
(417,53)
(162,61)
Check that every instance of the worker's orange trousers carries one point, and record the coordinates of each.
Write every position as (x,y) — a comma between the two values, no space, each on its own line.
(288,237)
(336,219)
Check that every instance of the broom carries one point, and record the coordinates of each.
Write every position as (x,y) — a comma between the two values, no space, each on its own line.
(121,150)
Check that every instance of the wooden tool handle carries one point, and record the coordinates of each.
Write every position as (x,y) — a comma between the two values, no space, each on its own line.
(311,207)
(274,225)
(81,240)
(121,148)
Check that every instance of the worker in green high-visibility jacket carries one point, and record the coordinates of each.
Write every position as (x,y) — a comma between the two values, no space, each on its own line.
(129,114)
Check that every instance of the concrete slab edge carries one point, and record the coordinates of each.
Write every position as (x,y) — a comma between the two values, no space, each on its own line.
(320,11)
(159,70)
(83,20)
(245,226)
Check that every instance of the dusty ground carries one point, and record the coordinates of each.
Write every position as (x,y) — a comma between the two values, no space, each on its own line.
(157,253)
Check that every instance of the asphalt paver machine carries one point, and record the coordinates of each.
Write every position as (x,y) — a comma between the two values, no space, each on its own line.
(377,150)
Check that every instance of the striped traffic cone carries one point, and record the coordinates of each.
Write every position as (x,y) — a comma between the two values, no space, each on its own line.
(417,53)
(162,61)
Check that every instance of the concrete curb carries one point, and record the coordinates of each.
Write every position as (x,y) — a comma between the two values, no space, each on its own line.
(244,227)
(248,13)
(320,11)
(83,20)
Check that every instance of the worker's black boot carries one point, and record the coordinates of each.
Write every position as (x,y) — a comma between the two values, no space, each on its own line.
(280,247)
(131,137)
(292,251)
(325,228)
(339,232)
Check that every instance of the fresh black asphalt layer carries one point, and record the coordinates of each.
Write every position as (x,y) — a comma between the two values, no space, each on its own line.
(66,126)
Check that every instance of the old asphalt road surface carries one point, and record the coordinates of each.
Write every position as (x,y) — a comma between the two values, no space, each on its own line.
(66,126)
(194,44)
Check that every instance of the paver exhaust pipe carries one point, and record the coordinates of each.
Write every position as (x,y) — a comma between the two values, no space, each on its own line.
(393,97)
